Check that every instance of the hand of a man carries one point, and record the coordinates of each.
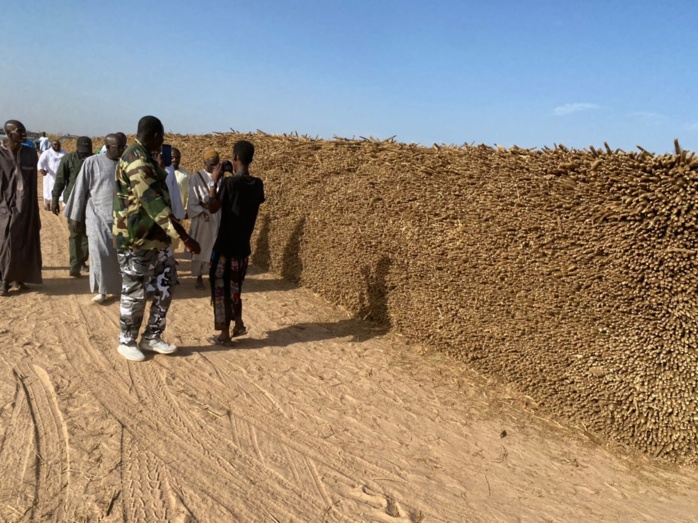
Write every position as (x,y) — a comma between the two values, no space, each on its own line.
(206,217)
(73,226)
(55,208)
(217,172)
(191,245)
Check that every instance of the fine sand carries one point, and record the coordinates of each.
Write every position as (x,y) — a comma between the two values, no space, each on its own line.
(312,417)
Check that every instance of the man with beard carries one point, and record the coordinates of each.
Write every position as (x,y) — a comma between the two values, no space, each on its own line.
(91,203)
(20,247)
(204,221)
(65,179)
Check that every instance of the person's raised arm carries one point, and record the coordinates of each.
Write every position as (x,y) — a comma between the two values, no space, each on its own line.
(196,201)
(214,202)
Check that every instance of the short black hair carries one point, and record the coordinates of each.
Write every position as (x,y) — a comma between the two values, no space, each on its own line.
(149,126)
(244,150)
(14,124)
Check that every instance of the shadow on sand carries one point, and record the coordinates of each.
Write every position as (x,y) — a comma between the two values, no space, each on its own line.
(298,334)
(63,286)
(373,300)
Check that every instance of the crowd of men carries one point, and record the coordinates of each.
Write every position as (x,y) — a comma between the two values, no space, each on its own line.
(124,207)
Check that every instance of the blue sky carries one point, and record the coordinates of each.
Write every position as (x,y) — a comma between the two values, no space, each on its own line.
(529,73)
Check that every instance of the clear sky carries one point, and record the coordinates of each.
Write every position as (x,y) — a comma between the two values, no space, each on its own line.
(524,72)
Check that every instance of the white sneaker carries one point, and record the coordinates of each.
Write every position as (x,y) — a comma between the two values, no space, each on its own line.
(157,345)
(130,352)
(99,298)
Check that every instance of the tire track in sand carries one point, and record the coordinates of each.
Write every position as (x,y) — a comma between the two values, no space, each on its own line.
(238,465)
(335,477)
(324,476)
(51,433)
(18,457)
(157,425)
(329,474)
(35,450)
(147,494)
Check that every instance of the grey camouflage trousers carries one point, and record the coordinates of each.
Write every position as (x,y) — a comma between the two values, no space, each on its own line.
(145,274)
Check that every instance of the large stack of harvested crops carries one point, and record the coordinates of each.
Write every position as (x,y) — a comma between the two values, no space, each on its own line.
(569,273)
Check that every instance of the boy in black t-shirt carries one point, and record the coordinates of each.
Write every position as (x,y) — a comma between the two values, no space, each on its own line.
(238,197)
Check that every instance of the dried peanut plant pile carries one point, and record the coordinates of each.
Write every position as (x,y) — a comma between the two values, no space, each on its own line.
(569,273)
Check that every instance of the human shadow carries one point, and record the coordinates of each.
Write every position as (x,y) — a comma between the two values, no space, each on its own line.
(64,286)
(65,268)
(374,317)
(261,257)
(186,288)
(298,334)
(373,303)
(292,264)
(253,283)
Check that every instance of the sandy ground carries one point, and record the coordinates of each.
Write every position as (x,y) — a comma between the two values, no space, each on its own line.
(313,417)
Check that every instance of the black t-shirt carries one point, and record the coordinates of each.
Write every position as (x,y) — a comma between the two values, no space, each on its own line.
(240,196)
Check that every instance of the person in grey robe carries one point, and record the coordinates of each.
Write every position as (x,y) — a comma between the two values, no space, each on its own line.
(204,223)
(92,202)
(20,244)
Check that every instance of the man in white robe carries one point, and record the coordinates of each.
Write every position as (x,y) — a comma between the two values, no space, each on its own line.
(204,224)
(48,165)
(183,176)
(92,201)
(178,176)
(178,210)
(44,143)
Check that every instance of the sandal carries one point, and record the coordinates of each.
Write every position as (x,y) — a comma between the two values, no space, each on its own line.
(216,340)
(239,331)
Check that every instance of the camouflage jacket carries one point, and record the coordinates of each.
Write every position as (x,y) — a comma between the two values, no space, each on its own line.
(141,202)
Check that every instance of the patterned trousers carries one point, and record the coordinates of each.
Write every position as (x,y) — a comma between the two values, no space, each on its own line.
(146,274)
(226,275)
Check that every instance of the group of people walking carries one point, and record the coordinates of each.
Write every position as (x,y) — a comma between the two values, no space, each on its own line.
(124,206)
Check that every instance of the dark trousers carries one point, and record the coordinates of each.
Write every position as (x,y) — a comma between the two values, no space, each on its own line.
(78,246)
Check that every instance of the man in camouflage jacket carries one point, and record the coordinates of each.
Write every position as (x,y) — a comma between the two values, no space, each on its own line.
(144,228)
